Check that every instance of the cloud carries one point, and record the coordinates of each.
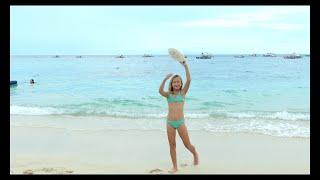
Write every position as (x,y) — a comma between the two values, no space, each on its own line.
(281,26)
(231,22)
(262,19)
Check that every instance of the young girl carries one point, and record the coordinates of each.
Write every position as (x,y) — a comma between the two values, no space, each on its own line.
(175,119)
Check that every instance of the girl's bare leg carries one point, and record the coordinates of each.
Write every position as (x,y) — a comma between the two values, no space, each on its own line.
(183,133)
(171,132)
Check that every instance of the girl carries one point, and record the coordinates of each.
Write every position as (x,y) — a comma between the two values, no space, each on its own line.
(175,119)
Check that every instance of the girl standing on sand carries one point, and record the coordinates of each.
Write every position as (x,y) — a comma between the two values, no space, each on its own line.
(175,119)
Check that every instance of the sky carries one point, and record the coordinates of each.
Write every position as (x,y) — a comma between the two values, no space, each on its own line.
(135,30)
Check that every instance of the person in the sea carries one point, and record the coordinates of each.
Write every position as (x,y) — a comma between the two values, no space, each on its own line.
(31,81)
(175,118)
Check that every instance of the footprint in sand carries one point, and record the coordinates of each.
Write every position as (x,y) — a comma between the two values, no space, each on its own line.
(184,165)
(48,171)
(29,171)
(157,170)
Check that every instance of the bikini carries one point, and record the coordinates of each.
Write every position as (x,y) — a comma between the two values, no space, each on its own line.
(175,123)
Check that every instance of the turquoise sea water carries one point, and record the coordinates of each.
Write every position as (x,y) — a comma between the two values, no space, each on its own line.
(268,95)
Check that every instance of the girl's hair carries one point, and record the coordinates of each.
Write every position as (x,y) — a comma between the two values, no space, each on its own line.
(170,85)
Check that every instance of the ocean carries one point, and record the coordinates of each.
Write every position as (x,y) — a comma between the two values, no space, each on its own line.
(264,95)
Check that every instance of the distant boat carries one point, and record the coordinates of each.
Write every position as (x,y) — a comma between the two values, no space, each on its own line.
(78,56)
(270,55)
(147,55)
(307,55)
(254,55)
(121,56)
(239,56)
(292,56)
(12,83)
(56,56)
(205,56)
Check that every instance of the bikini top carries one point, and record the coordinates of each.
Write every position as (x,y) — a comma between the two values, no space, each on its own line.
(178,98)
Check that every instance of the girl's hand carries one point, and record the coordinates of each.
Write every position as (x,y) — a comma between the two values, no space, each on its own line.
(184,63)
(168,76)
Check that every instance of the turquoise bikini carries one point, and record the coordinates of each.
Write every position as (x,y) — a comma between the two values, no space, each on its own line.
(178,98)
(175,123)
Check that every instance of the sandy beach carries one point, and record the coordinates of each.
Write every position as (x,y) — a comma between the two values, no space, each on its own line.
(40,150)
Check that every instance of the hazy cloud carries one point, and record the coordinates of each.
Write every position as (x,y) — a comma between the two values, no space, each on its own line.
(267,18)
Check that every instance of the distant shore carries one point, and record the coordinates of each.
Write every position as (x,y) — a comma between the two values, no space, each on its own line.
(108,55)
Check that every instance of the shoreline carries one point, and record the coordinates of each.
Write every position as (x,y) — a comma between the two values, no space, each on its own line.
(107,123)
(40,150)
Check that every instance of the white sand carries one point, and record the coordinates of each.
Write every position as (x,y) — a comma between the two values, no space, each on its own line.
(39,150)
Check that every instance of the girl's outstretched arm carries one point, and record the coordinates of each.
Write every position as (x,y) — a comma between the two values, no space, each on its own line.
(188,78)
(161,91)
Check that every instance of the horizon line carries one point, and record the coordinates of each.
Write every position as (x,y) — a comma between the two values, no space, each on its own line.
(143,54)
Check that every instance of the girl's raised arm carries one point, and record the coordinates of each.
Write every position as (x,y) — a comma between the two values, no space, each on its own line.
(161,91)
(188,79)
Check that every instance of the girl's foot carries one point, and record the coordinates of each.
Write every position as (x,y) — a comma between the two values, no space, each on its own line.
(173,170)
(196,159)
